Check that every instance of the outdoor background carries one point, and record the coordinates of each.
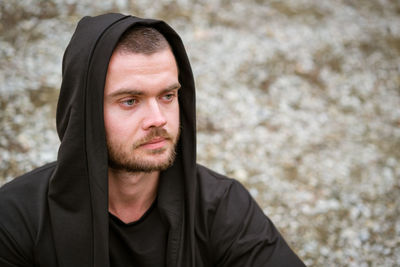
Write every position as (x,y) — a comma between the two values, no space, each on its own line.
(299,100)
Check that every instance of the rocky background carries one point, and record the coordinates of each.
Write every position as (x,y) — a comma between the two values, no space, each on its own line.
(297,99)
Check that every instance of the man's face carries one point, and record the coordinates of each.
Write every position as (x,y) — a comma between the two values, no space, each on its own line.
(141,111)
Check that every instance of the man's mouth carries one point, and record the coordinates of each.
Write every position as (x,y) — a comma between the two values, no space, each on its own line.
(155,143)
(156,139)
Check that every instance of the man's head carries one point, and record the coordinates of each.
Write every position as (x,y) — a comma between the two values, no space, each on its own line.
(141,109)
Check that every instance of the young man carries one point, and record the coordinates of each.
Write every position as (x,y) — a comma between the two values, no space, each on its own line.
(126,189)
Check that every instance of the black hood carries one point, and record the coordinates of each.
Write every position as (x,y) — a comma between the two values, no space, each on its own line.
(78,190)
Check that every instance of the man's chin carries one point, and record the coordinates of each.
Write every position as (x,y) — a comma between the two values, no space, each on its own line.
(140,167)
(155,152)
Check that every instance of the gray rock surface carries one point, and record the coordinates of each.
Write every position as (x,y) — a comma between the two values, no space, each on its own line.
(297,99)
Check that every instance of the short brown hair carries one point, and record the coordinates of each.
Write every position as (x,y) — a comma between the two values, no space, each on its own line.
(142,40)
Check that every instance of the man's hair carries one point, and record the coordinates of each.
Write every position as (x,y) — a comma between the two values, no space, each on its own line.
(142,40)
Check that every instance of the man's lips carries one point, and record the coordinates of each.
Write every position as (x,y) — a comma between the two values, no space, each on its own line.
(154,143)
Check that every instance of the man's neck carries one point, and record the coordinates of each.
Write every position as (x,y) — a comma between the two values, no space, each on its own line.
(131,194)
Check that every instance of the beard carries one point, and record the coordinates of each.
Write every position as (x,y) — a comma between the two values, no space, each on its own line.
(137,159)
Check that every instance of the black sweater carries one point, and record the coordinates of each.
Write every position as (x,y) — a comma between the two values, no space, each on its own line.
(57,215)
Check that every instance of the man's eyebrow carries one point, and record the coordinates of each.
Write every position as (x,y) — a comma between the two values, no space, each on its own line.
(135,92)
(173,87)
(125,91)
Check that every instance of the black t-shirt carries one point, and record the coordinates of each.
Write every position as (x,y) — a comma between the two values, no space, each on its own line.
(139,243)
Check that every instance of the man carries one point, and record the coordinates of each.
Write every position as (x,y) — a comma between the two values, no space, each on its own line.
(126,189)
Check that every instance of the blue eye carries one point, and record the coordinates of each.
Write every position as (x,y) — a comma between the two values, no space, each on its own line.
(169,97)
(129,102)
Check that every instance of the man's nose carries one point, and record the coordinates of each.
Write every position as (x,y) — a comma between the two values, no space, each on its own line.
(154,116)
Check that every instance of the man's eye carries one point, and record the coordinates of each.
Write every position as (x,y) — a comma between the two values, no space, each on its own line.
(129,102)
(169,96)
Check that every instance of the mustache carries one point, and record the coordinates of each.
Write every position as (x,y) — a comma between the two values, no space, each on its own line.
(154,133)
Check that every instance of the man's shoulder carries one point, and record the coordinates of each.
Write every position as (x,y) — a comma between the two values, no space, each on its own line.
(23,206)
(208,175)
(214,186)
(28,181)
(213,180)
(233,228)
(27,189)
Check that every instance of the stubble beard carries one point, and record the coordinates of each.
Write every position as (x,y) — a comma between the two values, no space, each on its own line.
(138,159)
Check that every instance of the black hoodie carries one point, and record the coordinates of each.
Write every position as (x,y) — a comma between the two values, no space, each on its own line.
(57,215)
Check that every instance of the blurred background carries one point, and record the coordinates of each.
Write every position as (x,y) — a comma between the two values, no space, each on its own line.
(299,100)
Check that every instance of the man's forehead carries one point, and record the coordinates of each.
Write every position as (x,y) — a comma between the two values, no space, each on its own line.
(119,57)
(135,73)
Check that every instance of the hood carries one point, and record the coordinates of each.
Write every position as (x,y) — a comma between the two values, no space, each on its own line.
(78,189)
